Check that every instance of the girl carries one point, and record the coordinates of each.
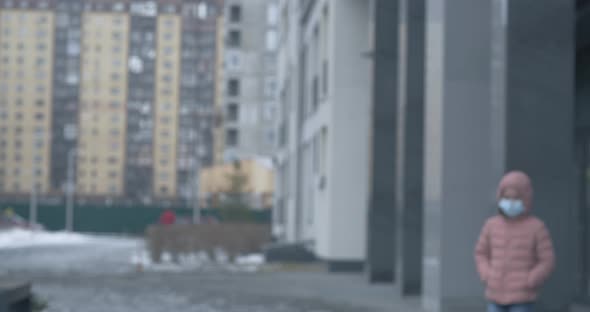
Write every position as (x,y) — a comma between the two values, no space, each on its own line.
(514,253)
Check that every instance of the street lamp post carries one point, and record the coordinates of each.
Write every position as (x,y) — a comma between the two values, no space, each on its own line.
(33,202)
(195,194)
(34,184)
(70,189)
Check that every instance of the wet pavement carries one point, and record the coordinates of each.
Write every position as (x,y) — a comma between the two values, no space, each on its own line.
(100,276)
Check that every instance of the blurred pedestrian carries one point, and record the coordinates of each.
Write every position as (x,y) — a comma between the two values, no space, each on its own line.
(168,217)
(514,253)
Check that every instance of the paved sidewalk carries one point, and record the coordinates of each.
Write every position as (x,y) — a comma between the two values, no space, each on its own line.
(346,289)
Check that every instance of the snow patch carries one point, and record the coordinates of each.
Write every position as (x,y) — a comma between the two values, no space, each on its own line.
(20,238)
(253,259)
(141,260)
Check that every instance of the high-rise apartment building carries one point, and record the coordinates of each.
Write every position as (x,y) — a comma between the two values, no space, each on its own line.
(25,98)
(127,84)
(66,86)
(249,78)
(103,93)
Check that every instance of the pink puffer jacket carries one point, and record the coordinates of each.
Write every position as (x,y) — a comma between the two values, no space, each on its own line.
(514,256)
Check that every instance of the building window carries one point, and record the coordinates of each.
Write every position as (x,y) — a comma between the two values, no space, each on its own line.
(233,112)
(233,87)
(315,92)
(163,189)
(235,13)
(167,78)
(113,174)
(39,116)
(272,40)
(234,39)
(40,103)
(41,34)
(232,137)
(325,77)
(118,7)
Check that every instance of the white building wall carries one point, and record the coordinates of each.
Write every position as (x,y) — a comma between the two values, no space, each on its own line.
(336,198)
(350,132)
(288,86)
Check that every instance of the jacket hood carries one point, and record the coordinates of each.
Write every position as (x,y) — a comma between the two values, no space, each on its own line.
(521,182)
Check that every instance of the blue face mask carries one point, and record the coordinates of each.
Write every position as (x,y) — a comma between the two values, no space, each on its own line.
(512,208)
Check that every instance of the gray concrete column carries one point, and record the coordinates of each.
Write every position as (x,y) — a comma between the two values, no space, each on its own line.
(459,179)
(499,87)
(540,52)
(381,215)
(410,146)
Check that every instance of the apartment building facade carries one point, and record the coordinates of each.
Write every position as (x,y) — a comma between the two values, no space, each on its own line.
(248,76)
(127,84)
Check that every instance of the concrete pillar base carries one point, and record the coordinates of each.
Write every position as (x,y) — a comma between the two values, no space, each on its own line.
(340,266)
